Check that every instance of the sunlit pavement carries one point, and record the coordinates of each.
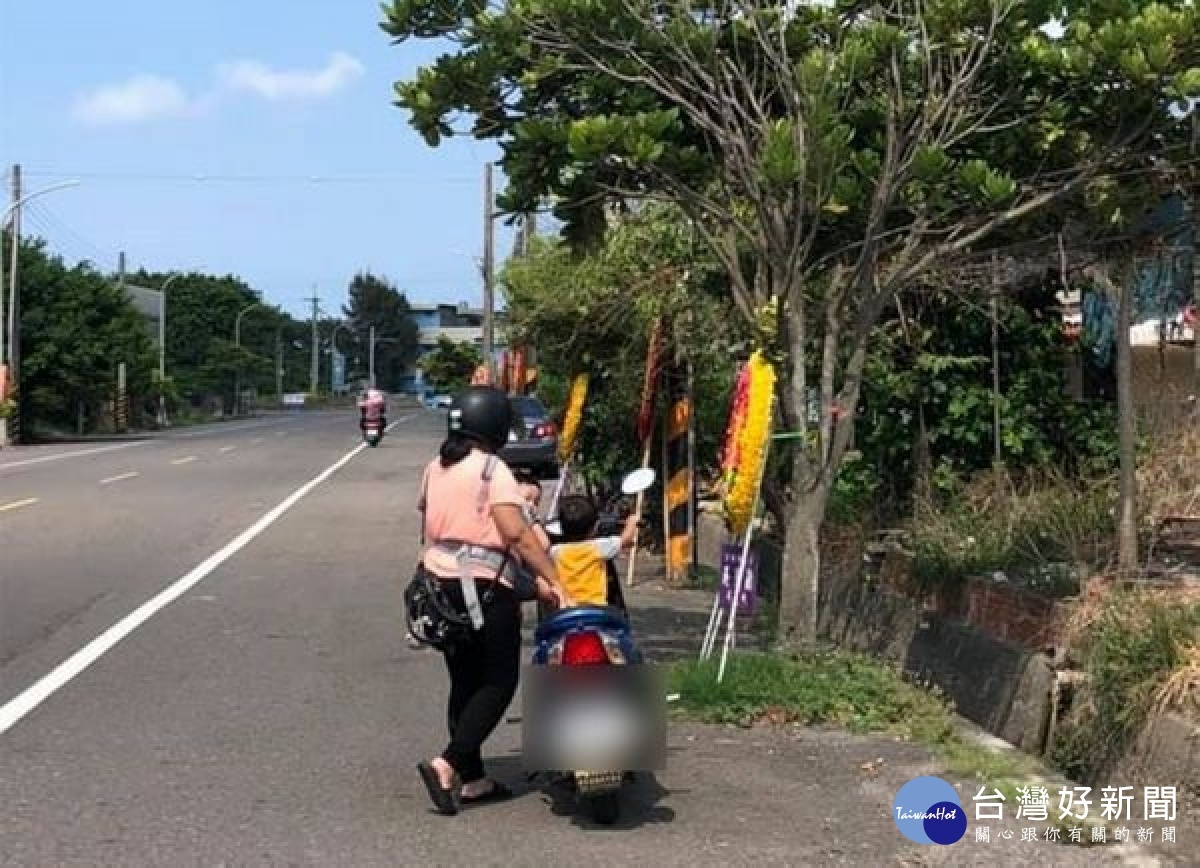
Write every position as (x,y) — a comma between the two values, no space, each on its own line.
(254,701)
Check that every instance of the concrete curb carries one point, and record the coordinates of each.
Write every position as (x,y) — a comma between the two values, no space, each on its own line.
(1131,853)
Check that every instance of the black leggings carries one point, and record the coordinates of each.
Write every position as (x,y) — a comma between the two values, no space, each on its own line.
(483,677)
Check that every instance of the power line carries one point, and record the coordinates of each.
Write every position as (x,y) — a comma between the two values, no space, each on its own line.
(61,228)
(68,249)
(222,178)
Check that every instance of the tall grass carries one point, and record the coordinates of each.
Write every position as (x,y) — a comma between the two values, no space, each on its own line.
(1037,531)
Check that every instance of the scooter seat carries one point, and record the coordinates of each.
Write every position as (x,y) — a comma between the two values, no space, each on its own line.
(576,617)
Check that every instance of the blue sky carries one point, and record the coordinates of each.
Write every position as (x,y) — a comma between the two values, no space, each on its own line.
(138,98)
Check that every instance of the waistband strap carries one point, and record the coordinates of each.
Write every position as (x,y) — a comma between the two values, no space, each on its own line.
(479,555)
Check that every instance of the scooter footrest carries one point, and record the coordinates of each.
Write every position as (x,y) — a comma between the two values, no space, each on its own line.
(592,782)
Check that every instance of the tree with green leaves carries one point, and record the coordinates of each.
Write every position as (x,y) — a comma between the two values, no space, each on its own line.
(449,365)
(203,360)
(77,327)
(829,154)
(375,302)
(593,313)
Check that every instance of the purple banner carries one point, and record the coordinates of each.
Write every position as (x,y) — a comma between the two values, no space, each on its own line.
(731,556)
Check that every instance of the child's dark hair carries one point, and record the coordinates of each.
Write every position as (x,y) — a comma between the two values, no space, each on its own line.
(577,516)
(527,477)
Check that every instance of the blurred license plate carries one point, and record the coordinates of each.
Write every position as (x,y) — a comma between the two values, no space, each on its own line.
(610,719)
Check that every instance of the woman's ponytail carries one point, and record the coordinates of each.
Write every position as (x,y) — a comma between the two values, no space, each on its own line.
(454,449)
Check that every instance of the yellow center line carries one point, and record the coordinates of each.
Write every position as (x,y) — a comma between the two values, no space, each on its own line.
(17,504)
(187,460)
(122,476)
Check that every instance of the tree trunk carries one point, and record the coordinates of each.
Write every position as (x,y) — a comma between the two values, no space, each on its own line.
(79,419)
(1127,544)
(1195,214)
(799,593)
(923,458)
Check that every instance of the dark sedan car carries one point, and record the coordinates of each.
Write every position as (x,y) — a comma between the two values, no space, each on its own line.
(533,442)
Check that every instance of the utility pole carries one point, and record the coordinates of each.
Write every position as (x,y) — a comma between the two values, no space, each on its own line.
(14,319)
(279,366)
(3,307)
(4,371)
(316,350)
(371,357)
(489,302)
(529,230)
(1127,543)
(997,443)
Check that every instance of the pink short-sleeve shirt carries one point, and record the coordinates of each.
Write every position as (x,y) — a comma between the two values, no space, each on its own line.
(452,509)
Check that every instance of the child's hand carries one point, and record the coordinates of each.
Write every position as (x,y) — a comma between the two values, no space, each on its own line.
(553,595)
(630,534)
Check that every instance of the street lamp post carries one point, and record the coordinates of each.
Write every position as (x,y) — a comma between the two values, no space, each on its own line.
(10,363)
(237,342)
(162,347)
(16,241)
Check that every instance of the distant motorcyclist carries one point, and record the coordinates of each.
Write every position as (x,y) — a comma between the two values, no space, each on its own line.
(372,406)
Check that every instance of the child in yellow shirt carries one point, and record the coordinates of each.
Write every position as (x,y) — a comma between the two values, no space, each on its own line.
(582,558)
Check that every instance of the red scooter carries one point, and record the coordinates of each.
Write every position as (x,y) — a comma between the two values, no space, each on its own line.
(372,431)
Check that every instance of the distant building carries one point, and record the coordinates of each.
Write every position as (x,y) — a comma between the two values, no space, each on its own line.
(147,302)
(459,322)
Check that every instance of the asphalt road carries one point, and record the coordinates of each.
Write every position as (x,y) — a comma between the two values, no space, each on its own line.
(261,706)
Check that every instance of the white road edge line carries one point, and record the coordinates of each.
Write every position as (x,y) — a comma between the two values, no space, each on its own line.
(220,428)
(187,460)
(80,452)
(17,504)
(121,477)
(15,709)
(227,449)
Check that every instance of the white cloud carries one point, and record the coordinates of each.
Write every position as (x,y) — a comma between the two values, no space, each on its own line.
(147,97)
(252,76)
(140,98)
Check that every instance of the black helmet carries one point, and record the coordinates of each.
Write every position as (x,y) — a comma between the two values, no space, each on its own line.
(483,414)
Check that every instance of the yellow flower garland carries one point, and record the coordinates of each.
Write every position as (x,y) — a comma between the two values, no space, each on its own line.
(752,445)
(572,417)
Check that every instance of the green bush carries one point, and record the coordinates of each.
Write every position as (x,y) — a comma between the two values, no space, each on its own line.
(854,495)
(928,390)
